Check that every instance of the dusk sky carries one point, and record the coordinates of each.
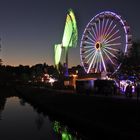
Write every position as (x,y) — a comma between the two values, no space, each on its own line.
(30,28)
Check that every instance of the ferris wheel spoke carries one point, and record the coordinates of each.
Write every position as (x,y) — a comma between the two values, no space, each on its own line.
(108,22)
(94,40)
(86,47)
(100,65)
(116,50)
(102,27)
(109,58)
(109,53)
(91,43)
(94,34)
(98,60)
(110,31)
(114,44)
(109,46)
(96,31)
(91,49)
(106,33)
(91,62)
(89,54)
(102,59)
(89,59)
(105,26)
(95,61)
(99,30)
(107,38)
(113,39)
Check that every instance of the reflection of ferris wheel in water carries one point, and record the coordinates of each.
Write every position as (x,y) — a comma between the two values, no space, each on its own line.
(105,37)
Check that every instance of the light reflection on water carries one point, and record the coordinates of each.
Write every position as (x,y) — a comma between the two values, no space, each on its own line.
(64,132)
(19,121)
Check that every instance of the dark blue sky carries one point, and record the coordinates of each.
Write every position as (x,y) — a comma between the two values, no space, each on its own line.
(30,28)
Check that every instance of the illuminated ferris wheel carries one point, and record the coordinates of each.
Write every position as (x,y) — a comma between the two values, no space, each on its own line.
(105,37)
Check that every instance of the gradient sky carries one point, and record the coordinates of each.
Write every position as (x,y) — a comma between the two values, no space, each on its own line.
(30,28)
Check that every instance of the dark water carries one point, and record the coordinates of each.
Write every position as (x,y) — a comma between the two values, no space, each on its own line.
(19,121)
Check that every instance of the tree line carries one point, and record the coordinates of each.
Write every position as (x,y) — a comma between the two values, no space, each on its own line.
(32,73)
(130,65)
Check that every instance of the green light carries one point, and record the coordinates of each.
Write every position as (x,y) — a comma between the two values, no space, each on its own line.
(57,51)
(56,126)
(63,131)
(70,35)
(69,39)
(66,136)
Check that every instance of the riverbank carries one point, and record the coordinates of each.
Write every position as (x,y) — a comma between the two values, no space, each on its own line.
(95,116)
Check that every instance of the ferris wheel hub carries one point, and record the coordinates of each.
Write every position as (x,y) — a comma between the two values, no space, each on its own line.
(98,45)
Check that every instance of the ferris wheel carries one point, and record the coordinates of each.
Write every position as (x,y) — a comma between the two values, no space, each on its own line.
(105,37)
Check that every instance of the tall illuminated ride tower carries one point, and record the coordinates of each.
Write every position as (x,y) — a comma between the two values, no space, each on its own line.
(69,39)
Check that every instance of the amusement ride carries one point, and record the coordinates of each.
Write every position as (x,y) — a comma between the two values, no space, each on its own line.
(69,40)
(105,39)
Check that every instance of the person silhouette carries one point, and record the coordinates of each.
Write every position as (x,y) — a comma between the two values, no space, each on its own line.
(127,91)
(138,90)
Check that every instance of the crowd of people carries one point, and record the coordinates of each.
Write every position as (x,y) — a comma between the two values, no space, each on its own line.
(133,88)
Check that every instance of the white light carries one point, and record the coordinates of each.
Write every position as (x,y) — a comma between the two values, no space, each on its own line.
(52,80)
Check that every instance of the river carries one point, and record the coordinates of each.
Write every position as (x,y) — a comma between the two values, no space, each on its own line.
(20,121)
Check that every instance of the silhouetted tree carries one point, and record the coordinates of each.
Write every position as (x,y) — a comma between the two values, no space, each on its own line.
(0,62)
(131,62)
